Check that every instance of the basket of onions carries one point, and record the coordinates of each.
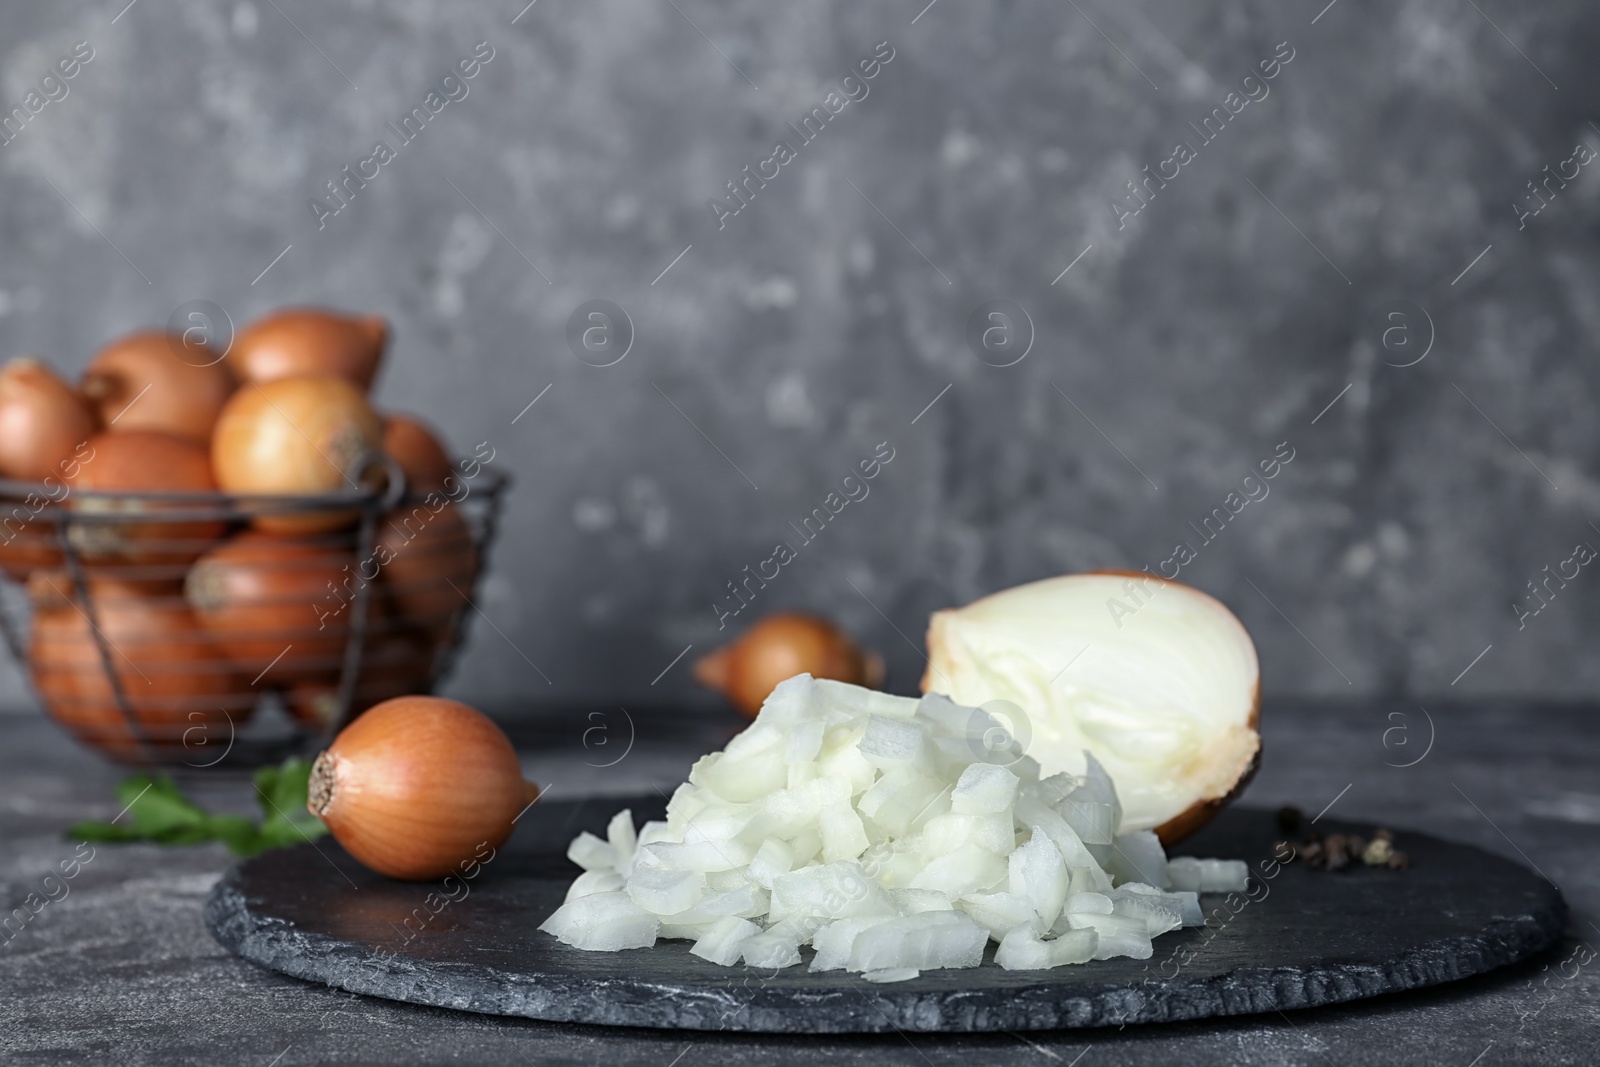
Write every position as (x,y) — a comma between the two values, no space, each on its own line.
(190,537)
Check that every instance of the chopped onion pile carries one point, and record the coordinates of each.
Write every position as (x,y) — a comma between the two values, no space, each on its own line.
(892,836)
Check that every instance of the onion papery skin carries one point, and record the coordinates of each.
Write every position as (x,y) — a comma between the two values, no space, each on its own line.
(781,646)
(419,786)
(310,342)
(418,449)
(186,697)
(152,380)
(135,462)
(398,662)
(297,436)
(42,420)
(428,562)
(28,541)
(268,602)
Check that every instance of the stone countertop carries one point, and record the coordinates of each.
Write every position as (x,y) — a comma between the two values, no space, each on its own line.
(123,969)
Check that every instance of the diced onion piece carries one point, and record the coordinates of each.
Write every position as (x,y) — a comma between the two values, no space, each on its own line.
(944,717)
(591,853)
(591,882)
(1000,913)
(770,950)
(756,739)
(1207,875)
(1090,904)
(745,778)
(903,800)
(831,891)
(984,789)
(1033,813)
(1094,823)
(843,836)
(1056,788)
(890,743)
(902,864)
(1138,857)
(798,928)
(724,943)
(1159,912)
(917,901)
(662,891)
(1189,903)
(968,869)
(748,902)
(790,703)
(1098,787)
(727,881)
(686,802)
(1022,950)
(1075,946)
(603,922)
(771,859)
(944,834)
(683,931)
(845,763)
(718,823)
(622,838)
(806,846)
(1038,875)
(855,700)
(1119,935)
(1087,880)
(932,939)
(700,856)
(1183,874)
(834,941)
(804,741)
(1224,876)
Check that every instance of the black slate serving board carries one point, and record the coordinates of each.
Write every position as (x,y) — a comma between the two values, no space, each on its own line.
(1301,938)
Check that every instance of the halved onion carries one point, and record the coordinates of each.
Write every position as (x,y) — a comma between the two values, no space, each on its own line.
(310,342)
(1156,679)
(141,382)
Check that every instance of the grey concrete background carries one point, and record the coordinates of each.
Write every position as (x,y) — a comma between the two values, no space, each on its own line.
(1227,317)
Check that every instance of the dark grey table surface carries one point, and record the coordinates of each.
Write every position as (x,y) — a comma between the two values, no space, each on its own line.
(122,969)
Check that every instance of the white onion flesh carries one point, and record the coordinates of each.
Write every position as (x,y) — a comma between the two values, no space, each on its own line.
(724,943)
(866,828)
(1158,680)
(1207,875)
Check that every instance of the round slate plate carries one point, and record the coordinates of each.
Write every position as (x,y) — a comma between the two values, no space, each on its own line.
(1300,938)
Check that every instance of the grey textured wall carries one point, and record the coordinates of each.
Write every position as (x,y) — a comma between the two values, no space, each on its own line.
(1187,341)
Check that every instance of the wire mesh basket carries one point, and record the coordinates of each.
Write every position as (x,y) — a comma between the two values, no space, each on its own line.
(154,627)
